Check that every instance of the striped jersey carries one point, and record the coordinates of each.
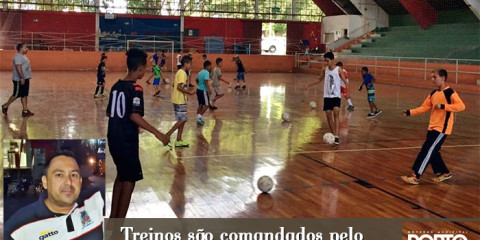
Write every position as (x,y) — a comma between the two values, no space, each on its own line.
(442,119)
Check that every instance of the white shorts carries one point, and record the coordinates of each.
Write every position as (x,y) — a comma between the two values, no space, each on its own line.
(218,90)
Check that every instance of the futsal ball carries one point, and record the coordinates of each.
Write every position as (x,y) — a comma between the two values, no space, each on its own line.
(286,117)
(313,104)
(167,81)
(265,184)
(329,138)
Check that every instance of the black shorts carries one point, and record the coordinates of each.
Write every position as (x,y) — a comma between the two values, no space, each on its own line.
(100,80)
(20,90)
(330,103)
(126,159)
(203,97)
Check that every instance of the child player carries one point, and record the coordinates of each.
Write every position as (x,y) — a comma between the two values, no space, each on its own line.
(344,90)
(203,91)
(442,103)
(125,113)
(216,78)
(368,80)
(179,100)
(331,93)
(100,77)
(240,72)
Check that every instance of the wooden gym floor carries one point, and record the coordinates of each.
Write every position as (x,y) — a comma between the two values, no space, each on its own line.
(245,139)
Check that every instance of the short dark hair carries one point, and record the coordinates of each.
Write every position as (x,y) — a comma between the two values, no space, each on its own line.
(340,64)
(136,58)
(66,153)
(218,60)
(20,46)
(185,60)
(204,55)
(329,55)
(365,69)
(206,64)
(441,72)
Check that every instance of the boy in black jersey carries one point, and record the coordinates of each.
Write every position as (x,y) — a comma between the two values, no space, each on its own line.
(125,112)
(100,77)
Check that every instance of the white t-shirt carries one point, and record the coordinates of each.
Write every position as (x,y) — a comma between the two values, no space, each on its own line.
(179,59)
(331,88)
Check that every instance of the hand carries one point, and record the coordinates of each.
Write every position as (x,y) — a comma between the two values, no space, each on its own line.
(438,106)
(191,92)
(22,81)
(360,88)
(163,138)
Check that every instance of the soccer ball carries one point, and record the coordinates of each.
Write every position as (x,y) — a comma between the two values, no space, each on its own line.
(167,81)
(265,184)
(329,138)
(286,117)
(313,104)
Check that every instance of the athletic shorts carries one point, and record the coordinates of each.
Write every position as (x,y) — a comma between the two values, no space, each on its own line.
(180,112)
(330,103)
(156,81)
(218,90)
(240,76)
(371,94)
(100,80)
(162,63)
(344,91)
(203,98)
(20,90)
(126,159)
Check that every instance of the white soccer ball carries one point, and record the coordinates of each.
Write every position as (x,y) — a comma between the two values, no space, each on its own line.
(328,138)
(167,81)
(286,117)
(265,184)
(313,104)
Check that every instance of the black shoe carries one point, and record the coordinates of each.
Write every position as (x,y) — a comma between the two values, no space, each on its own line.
(237,87)
(27,113)
(244,86)
(378,112)
(337,141)
(4,109)
(158,92)
(212,107)
(350,108)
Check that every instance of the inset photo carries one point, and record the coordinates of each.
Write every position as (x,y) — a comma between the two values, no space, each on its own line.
(53,189)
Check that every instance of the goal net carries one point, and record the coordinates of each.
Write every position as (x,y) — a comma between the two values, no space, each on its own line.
(152,46)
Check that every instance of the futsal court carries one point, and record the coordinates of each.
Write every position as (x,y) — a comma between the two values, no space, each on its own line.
(246,138)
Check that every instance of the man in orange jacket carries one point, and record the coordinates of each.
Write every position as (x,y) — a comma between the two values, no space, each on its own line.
(443,102)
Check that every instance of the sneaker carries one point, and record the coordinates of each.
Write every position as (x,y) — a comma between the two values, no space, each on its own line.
(97,96)
(337,141)
(237,87)
(200,121)
(442,177)
(411,180)
(371,115)
(229,85)
(378,112)
(350,108)
(27,113)
(212,107)
(4,109)
(147,82)
(181,143)
(244,86)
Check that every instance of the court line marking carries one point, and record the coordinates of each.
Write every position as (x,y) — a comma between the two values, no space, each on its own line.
(389,193)
(324,151)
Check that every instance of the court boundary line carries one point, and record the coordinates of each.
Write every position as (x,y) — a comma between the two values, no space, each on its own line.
(389,193)
(325,151)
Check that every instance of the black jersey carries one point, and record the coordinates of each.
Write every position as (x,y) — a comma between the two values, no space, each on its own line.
(240,66)
(100,72)
(126,97)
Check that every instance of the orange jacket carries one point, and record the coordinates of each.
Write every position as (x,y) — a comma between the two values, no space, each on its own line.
(441,119)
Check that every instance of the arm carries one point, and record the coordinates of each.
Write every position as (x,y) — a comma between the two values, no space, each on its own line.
(313,83)
(456,106)
(138,119)
(223,80)
(180,88)
(19,70)
(209,87)
(426,106)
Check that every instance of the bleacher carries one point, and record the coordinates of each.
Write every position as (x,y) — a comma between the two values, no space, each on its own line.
(455,40)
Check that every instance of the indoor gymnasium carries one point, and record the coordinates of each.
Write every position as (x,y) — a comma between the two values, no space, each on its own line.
(281,108)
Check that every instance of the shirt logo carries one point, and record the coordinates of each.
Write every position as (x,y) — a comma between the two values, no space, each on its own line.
(136,102)
(47,234)
(86,220)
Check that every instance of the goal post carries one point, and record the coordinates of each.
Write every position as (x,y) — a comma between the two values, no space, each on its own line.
(155,46)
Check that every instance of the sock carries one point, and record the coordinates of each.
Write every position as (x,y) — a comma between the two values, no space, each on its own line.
(349,102)
(199,116)
(96,90)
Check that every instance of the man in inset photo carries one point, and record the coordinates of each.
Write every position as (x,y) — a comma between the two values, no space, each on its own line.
(64,210)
